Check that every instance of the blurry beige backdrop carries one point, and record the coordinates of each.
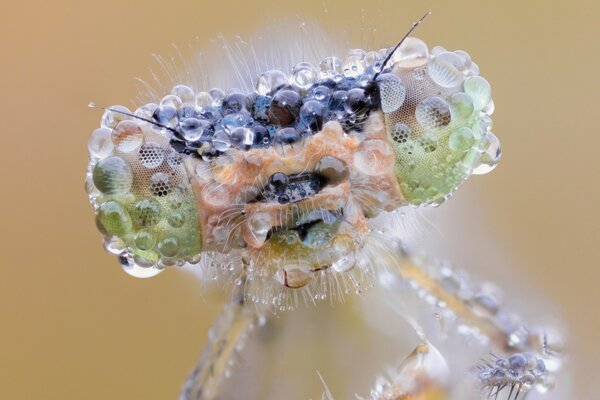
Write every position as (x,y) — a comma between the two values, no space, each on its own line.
(74,326)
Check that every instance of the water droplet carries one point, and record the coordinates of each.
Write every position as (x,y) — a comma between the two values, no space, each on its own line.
(271,81)
(112,175)
(433,112)
(127,136)
(293,276)
(144,240)
(112,219)
(461,105)
(331,68)
(151,155)
(412,53)
(168,247)
(185,93)
(490,157)
(304,75)
(480,91)
(147,212)
(392,92)
(100,143)
(445,70)
(355,63)
(140,272)
(461,139)
(111,118)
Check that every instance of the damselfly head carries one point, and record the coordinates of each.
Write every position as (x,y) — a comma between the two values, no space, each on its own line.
(283,183)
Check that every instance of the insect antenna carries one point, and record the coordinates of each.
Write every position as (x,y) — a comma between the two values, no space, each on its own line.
(94,105)
(407,34)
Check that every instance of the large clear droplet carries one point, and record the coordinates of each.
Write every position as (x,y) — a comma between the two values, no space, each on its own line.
(480,91)
(445,70)
(424,366)
(304,75)
(270,82)
(392,91)
(433,112)
(331,67)
(412,53)
(100,143)
(490,157)
(112,175)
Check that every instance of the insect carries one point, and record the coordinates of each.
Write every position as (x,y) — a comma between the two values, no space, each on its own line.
(292,191)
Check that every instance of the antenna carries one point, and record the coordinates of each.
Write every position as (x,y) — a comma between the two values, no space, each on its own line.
(391,53)
(93,105)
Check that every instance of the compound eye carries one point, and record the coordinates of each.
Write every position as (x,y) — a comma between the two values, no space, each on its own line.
(437,116)
(141,193)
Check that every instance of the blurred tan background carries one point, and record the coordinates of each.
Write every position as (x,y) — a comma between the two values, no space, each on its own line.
(73,325)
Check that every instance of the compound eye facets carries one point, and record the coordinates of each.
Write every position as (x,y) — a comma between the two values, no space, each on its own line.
(143,200)
(440,130)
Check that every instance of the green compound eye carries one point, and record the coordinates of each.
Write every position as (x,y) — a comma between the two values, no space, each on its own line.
(436,112)
(144,198)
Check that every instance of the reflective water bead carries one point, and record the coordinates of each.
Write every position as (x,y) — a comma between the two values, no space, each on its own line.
(461,105)
(372,59)
(193,129)
(127,136)
(412,53)
(140,272)
(151,155)
(187,110)
(161,184)
(401,132)
(112,175)
(446,70)
(278,183)
(465,57)
(166,115)
(168,247)
(144,240)
(185,93)
(461,139)
(490,157)
(311,114)
(232,121)
(293,276)
(271,81)
(332,170)
(480,91)
(100,143)
(221,141)
(242,138)
(171,100)
(146,110)
(304,75)
(203,99)
(287,136)
(391,91)
(433,112)
(112,219)
(217,96)
(285,107)
(331,67)
(320,93)
(262,138)
(176,219)
(355,64)
(112,117)
(357,102)
(147,212)
(234,103)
